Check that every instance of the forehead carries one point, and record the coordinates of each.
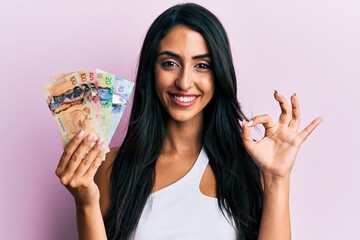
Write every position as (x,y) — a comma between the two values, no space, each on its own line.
(183,40)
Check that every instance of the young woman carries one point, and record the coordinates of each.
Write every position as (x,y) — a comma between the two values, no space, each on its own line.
(188,167)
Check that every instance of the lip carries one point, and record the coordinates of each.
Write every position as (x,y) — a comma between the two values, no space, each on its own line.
(181,103)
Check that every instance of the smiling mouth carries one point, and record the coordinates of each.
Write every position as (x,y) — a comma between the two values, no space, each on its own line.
(183,101)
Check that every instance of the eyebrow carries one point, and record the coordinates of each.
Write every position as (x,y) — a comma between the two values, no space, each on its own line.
(177,56)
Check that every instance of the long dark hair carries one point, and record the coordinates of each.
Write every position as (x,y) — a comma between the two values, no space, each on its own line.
(238,179)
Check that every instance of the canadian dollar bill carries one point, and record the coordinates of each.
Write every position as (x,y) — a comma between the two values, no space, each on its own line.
(106,90)
(122,92)
(70,104)
(92,101)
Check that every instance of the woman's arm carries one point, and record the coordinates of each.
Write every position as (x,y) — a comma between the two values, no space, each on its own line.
(275,220)
(275,155)
(76,170)
(90,218)
(90,223)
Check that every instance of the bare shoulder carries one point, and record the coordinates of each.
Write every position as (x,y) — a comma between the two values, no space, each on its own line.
(102,179)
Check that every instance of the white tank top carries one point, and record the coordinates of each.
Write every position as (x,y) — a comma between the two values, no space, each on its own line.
(180,211)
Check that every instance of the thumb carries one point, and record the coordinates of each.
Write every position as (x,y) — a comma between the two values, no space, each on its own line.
(249,143)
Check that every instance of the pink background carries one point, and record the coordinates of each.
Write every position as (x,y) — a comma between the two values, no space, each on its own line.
(309,46)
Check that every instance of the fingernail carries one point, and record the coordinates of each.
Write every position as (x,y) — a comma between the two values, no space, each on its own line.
(276,91)
(295,94)
(91,135)
(100,141)
(80,134)
(249,124)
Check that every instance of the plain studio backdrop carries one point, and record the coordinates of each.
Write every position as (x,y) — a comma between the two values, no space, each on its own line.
(310,47)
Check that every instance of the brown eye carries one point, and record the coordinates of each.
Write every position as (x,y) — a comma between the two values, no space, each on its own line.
(169,64)
(203,66)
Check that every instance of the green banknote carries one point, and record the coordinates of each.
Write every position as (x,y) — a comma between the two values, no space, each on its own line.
(106,91)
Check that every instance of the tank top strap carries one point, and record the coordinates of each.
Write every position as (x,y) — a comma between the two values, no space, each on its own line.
(199,167)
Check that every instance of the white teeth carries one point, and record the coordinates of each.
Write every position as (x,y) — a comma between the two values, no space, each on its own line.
(184,99)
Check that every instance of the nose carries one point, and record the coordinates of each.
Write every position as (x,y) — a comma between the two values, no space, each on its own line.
(185,79)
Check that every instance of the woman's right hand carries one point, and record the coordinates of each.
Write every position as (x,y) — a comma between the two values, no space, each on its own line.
(78,165)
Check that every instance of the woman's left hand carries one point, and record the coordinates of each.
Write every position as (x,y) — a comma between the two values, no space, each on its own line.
(275,154)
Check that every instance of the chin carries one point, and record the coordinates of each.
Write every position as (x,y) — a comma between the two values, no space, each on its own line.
(184,117)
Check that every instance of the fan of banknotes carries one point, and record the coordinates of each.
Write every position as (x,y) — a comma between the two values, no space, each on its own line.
(92,101)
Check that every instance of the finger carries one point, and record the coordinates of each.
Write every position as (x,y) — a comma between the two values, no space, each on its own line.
(77,158)
(285,115)
(89,159)
(265,120)
(246,135)
(95,165)
(68,152)
(306,132)
(295,120)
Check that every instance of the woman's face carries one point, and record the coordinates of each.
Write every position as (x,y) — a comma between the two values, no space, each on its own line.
(184,78)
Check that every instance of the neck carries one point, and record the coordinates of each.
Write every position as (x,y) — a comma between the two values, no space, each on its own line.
(184,136)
